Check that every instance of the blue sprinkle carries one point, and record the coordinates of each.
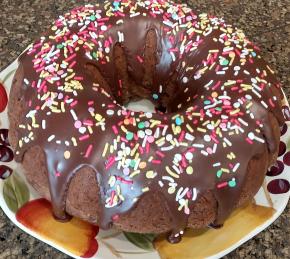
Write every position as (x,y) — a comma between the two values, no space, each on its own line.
(116,4)
(206,102)
(155,96)
(178,121)
(254,54)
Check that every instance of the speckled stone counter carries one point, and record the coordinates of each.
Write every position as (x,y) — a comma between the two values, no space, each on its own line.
(266,22)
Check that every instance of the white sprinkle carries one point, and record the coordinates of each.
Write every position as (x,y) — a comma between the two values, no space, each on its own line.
(161,184)
(26,81)
(51,138)
(198,145)
(264,104)
(167,148)
(168,178)
(43,124)
(243,122)
(208,84)
(216,164)
(173,56)
(194,194)
(74,115)
(228,142)
(236,167)
(204,152)
(189,137)
(185,80)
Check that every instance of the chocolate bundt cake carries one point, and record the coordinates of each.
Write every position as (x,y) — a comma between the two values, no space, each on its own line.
(202,153)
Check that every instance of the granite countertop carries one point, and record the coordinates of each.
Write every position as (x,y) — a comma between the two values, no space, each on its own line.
(266,22)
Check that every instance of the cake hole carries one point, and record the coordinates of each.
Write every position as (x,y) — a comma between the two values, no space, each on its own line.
(143,105)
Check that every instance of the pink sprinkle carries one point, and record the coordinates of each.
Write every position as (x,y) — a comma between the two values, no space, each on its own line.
(156,161)
(90,103)
(181,137)
(79,78)
(78,124)
(140,59)
(249,141)
(150,139)
(74,103)
(271,102)
(72,64)
(141,150)
(82,138)
(89,151)
(88,123)
(147,148)
(160,154)
(57,173)
(71,57)
(110,162)
(222,185)
(115,129)
(113,193)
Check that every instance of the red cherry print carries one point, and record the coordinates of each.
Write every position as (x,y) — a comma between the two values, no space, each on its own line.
(3,98)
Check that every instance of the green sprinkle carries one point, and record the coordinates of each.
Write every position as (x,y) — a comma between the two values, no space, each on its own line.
(219,173)
(232,183)
(129,135)
(132,163)
(155,96)
(141,125)
(59,46)
(93,18)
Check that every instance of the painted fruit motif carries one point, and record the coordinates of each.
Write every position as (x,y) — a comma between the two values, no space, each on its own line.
(195,243)
(3,98)
(76,236)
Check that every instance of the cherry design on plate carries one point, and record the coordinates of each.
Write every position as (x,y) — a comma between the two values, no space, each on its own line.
(276,169)
(286,112)
(286,158)
(3,98)
(283,129)
(6,154)
(282,148)
(4,137)
(278,186)
(5,172)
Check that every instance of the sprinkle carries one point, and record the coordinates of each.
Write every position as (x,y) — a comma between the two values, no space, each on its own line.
(51,138)
(89,150)
(66,154)
(174,175)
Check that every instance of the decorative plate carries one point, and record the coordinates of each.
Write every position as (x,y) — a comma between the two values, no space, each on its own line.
(79,239)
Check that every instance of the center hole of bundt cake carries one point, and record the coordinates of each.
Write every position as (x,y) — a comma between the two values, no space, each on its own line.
(132,84)
(143,105)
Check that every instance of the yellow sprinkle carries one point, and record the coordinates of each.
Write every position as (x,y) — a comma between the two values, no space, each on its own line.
(134,173)
(234,111)
(74,141)
(66,154)
(189,128)
(171,173)
(189,170)
(146,189)
(123,129)
(171,190)
(201,129)
(105,150)
(150,174)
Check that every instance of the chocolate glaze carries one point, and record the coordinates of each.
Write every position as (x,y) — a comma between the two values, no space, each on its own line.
(194,91)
